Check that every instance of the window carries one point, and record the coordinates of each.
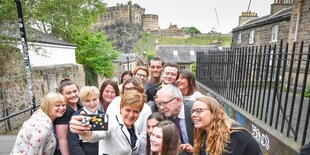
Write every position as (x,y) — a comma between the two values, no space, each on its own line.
(251,37)
(182,68)
(192,52)
(175,53)
(274,36)
(239,38)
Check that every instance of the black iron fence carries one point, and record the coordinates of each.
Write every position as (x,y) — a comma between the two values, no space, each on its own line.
(269,82)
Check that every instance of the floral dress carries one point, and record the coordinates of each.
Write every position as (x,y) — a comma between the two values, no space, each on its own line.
(36,136)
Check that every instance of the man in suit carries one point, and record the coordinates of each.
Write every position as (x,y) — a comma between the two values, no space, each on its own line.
(170,102)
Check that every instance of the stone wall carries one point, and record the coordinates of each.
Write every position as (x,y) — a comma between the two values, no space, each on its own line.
(262,34)
(149,22)
(14,93)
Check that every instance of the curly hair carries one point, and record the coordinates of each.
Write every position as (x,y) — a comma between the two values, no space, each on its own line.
(219,130)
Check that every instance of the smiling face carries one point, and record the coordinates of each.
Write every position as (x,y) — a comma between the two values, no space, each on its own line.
(108,94)
(156,68)
(58,109)
(171,108)
(182,83)
(202,120)
(130,114)
(71,93)
(150,125)
(170,75)
(142,76)
(156,139)
(91,103)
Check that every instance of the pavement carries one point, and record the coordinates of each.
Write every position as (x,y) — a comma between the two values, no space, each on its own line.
(6,144)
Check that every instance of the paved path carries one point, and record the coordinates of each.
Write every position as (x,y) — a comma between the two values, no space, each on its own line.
(6,144)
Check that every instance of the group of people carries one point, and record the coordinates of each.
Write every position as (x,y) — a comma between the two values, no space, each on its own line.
(158,114)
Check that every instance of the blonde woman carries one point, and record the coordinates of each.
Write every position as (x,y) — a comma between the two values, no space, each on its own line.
(215,133)
(36,135)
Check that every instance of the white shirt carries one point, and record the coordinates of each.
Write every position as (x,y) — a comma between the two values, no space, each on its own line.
(194,96)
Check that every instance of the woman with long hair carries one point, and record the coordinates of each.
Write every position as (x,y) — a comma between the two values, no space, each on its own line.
(216,134)
(152,121)
(186,83)
(70,91)
(36,135)
(108,91)
(165,139)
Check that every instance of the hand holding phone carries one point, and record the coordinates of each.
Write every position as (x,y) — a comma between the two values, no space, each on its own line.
(98,121)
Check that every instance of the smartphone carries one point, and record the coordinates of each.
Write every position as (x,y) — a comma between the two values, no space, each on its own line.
(99,121)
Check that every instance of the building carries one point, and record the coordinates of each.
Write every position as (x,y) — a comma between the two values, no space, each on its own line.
(183,55)
(288,20)
(134,14)
(46,50)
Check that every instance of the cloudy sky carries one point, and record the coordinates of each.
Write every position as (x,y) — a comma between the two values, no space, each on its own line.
(200,13)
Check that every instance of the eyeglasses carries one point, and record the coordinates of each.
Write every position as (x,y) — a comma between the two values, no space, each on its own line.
(141,75)
(198,110)
(158,104)
(130,88)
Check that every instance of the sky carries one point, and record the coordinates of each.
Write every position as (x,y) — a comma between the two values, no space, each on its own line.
(200,13)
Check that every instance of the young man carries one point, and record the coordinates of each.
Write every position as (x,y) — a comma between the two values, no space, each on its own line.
(170,76)
(156,68)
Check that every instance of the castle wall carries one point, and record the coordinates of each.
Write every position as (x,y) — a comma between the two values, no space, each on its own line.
(150,22)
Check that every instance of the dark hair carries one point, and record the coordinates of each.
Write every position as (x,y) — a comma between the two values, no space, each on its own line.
(126,73)
(136,82)
(191,81)
(157,59)
(66,82)
(172,64)
(170,143)
(159,116)
(104,85)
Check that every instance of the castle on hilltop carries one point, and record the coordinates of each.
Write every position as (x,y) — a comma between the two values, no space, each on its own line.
(134,14)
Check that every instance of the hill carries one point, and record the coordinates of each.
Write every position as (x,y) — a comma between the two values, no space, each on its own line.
(148,42)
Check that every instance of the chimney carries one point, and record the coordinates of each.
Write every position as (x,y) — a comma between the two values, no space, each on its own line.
(247,16)
(279,5)
(156,48)
(144,58)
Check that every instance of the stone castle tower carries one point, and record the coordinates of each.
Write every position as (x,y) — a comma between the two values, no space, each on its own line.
(129,13)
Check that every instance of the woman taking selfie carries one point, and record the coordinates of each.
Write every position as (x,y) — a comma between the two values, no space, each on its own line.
(224,135)
(36,135)
(165,139)
(121,136)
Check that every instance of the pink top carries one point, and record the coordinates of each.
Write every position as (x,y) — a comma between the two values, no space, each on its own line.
(36,136)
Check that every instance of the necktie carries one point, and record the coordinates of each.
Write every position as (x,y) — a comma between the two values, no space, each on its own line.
(177,122)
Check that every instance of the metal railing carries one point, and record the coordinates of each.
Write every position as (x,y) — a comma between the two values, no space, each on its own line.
(269,82)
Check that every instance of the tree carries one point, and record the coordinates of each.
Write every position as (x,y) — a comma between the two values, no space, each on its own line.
(191,30)
(61,18)
(95,52)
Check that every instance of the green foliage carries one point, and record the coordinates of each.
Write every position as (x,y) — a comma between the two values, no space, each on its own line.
(193,68)
(95,52)
(149,57)
(61,18)
(148,42)
(90,77)
(191,30)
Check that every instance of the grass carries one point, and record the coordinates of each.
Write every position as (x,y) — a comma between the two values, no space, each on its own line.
(148,42)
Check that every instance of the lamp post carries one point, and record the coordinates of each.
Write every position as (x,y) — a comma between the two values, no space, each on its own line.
(127,56)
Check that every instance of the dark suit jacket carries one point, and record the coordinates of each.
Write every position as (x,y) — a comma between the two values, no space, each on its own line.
(188,121)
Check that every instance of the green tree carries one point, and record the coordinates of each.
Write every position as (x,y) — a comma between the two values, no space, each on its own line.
(191,30)
(61,18)
(95,52)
